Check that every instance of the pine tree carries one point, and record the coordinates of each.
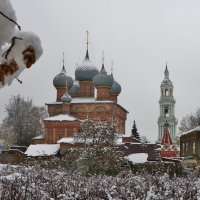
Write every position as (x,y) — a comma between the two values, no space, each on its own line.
(135,134)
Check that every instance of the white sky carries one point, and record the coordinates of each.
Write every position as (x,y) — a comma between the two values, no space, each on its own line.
(138,35)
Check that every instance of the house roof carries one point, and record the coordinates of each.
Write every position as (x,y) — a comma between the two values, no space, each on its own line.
(197,129)
(38,137)
(67,140)
(42,150)
(137,157)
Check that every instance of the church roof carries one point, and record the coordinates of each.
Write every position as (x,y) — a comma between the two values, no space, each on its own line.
(61,117)
(88,100)
(166,140)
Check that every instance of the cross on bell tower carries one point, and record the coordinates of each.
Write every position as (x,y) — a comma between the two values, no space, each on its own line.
(167,107)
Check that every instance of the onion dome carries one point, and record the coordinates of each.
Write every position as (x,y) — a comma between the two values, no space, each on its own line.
(103,79)
(66,98)
(86,71)
(75,89)
(62,79)
(116,88)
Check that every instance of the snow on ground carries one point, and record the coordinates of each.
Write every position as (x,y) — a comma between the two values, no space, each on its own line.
(137,157)
(42,149)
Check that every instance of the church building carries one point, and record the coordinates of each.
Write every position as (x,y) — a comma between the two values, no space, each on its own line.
(92,95)
(167,108)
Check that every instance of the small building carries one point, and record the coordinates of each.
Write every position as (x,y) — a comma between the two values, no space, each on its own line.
(148,149)
(168,148)
(12,156)
(190,145)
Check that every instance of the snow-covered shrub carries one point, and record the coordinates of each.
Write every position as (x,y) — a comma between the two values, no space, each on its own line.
(99,154)
(18,49)
(35,182)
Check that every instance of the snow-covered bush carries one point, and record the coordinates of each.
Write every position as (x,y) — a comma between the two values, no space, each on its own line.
(99,154)
(18,49)
(34,182)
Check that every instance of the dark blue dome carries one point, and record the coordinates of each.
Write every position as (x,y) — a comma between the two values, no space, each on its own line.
(116,88)
(75,89)
(103,79)
(66,98)
(61,80)
(86,71)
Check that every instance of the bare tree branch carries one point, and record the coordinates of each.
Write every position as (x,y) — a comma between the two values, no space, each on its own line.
(10,48)
(19,27)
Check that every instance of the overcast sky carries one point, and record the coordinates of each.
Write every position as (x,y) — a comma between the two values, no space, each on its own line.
(138,35)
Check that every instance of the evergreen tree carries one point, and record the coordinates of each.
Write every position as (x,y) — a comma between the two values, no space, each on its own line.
(135,134)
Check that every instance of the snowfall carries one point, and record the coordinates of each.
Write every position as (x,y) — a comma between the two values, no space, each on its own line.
(26,182)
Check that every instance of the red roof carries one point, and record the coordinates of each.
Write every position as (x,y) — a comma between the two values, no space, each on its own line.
(166,140)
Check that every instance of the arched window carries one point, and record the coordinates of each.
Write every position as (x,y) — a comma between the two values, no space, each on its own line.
(166,92)
(166,111)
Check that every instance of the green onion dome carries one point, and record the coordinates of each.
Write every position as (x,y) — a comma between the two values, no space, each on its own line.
(116,88)
(75,89)
(66,98)
(86,71)
(62,79)
(103,79)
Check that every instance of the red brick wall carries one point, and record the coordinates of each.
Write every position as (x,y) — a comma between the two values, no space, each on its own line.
(86,89)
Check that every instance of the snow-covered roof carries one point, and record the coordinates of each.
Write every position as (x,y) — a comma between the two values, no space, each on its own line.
(39,137)
(193,130)
(55,102)
(119,140)
(137,157)
(66,140)
(61,117)
(42,149)
(82,100)
(88,100)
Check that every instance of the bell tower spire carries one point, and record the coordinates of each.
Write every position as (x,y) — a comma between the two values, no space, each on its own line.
(166,72)
(167,107)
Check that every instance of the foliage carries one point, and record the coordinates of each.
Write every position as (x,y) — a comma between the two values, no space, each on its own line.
(190,121)
(34,182)
(23,120)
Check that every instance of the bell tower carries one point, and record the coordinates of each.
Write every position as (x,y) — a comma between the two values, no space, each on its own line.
(167,107)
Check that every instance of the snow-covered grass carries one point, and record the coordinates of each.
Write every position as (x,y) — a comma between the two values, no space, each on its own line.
(38,183)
